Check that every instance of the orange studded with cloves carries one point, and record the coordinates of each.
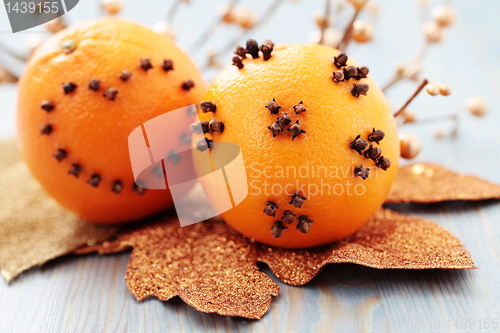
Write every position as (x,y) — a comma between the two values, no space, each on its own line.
(321,152)
(77,108)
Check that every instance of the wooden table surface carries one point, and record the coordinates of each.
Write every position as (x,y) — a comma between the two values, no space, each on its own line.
(89,294)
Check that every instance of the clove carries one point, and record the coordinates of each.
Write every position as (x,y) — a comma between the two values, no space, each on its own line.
(189,84)
(94,84)
(69,87)
(253,48)
(117,187)
(362,172)
(60,154)
(146,64)
(304,224)
(296,130)
(46,129)
(299,108)
(75,170)
(277,229)
(207,106)
(271,208)
(168,65)
(110,93)
(47,105)
(297,200)
(125,75)
(94,180)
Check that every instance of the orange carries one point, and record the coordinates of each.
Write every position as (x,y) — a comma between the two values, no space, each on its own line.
(92,126)
(319,164)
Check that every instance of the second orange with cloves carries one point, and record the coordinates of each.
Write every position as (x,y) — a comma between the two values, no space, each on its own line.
(318,140)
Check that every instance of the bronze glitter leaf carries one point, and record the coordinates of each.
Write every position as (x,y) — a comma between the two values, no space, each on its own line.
(430,183)
(208,265)
(388,241)
(33,227)
(165,251)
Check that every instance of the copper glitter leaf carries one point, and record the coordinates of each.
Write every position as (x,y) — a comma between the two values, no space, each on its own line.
(162,251)
(33,227)
(430,183)
(388,241)
(208,265)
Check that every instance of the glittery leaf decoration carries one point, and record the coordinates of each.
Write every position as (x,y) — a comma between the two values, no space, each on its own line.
(33,227)
(430,183)
(388,241)
(209,265)
(213,268)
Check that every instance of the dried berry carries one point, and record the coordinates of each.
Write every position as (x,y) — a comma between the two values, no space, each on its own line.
(267,48)
(376,136)
(360,88)
(94,180)
(47,105)
(350,72)
(241,51)
(271,208)
(275,128)
(198,128)
(146,64)
(189,84)
(362,172)
(338,76)
(299,108)
(207,106)
(295,130)
(168,65)
(288,217)
(75,170)
(237,62)
(125,75)
(253,48)
(138,189)
(284,120)
(304,224)
(203,144)
(60,154)
(94,84)
(373,153)
(215,126)
(340,60)
(46,129)
(68,87)
(297,200)
(117,187)
(110,93)
(359,144)
(384,163)
(277,229)
(273,107)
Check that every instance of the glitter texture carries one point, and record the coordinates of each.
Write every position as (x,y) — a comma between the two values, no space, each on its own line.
(430,183)
(33,227)
(213,268)
(388,241)
(208,265)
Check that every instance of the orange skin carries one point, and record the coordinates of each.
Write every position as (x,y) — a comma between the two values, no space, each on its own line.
(333,119)
(93,129)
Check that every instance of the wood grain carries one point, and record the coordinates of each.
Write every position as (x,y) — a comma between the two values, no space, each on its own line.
(88,294)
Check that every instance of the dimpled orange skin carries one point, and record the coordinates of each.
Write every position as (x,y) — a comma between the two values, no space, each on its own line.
(92,129)
(333,119)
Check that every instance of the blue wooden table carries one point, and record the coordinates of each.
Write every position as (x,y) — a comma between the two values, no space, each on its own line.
(89,294)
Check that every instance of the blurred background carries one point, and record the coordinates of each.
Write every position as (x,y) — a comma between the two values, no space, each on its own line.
(466,57)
